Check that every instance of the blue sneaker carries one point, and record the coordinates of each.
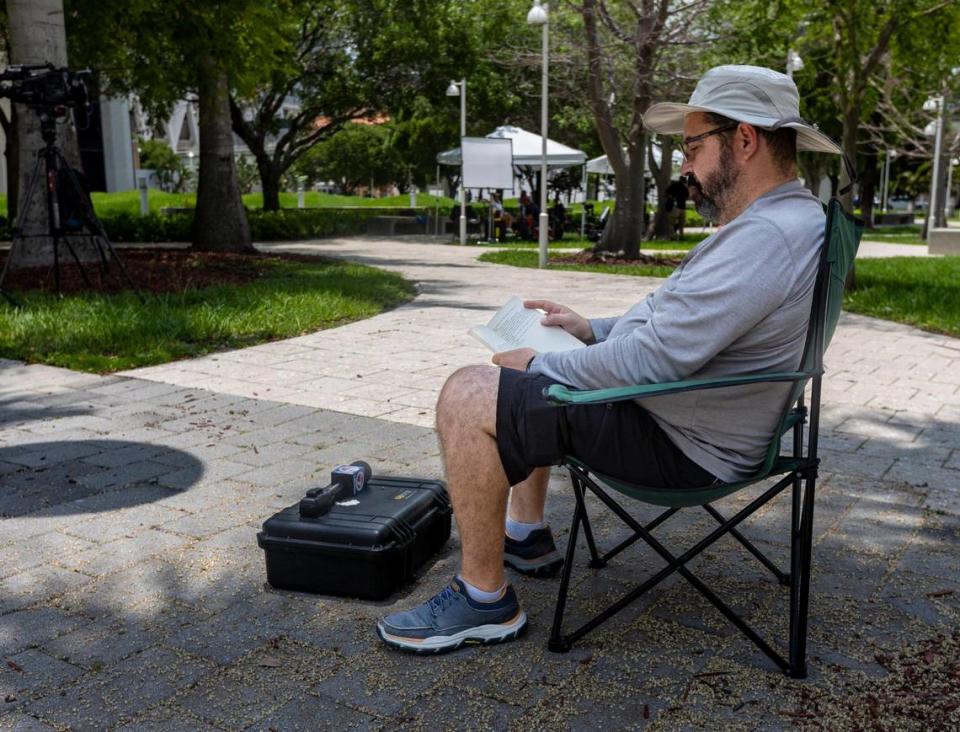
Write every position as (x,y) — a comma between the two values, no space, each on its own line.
(450,619)
(536,556)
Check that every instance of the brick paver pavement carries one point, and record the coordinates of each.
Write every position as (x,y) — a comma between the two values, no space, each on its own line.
(132,592)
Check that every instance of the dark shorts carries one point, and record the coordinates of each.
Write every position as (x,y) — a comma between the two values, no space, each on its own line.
(619,439)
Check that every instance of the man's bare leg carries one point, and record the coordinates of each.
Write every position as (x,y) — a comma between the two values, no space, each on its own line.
(466,423)
(527,499)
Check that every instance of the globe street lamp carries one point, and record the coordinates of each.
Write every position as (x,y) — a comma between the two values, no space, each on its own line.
(459,89)
(934,104)
(538,16)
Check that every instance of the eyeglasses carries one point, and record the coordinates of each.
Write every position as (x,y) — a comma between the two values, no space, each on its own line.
(687,141)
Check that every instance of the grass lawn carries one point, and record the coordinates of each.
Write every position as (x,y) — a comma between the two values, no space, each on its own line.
(285,298)
(907,234)
(528,258)
(922,292)
(689,241)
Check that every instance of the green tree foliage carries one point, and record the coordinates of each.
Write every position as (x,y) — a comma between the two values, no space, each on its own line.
(357,59)
(501,62)
(356,156)
(247,174)
(856,53)
(157,156)
(164,50)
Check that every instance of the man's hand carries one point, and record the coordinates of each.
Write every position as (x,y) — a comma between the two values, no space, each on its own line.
(564,317)
(516,359)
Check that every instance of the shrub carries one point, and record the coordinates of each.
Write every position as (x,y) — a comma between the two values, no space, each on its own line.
(280,225)
(154,227)
(307,223)
(693,218)
(166,165)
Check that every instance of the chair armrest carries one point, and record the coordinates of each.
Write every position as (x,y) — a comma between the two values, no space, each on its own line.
(560,395)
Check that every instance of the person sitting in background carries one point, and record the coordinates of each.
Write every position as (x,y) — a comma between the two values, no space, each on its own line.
(676,205)
(558,218)
(502,221)
(527,221)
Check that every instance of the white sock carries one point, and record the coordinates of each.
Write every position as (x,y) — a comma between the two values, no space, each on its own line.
(518,531)
(481,595)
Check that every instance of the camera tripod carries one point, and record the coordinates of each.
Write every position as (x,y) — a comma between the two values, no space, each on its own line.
(56,170)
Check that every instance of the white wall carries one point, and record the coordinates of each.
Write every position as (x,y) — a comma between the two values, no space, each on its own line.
(117,145)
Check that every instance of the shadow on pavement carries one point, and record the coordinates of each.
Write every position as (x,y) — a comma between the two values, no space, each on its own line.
(17,410)
(63,477)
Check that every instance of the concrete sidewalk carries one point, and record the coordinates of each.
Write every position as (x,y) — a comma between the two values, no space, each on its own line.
(133,596)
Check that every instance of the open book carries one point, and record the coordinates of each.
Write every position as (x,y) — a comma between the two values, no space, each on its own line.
(514,326)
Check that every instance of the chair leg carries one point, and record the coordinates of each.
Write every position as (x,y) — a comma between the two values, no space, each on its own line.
(558,643)
(801,556)
(782,577)
(596,561)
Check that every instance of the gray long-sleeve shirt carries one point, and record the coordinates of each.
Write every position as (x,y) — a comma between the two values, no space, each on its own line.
(739,303)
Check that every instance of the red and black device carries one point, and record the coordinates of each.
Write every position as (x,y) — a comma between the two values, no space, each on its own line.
(345,481)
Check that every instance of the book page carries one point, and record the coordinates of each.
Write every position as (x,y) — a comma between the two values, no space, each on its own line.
(489,338)
(514,326)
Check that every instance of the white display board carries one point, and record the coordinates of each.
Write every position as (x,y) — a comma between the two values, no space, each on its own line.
(487,162)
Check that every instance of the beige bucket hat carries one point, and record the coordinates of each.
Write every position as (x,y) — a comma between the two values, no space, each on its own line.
(758,96)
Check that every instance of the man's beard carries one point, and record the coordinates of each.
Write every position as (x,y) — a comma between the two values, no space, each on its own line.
(711,196)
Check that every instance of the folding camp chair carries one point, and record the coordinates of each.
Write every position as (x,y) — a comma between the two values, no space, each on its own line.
(799,470)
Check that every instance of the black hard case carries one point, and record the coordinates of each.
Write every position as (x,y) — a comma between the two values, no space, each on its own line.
(367,550)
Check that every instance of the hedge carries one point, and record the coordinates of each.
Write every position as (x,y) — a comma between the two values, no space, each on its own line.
(286,224)
(283,225)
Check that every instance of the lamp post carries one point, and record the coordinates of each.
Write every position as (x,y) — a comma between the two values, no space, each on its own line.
(891,154)
(459,89)
(934,104)
(538,16)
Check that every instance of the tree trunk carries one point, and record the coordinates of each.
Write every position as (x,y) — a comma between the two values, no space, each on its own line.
(220,221)
(625,230)
(813,166)
(37,36)
(270,183)
(662,228)
(851,120)
(13,167)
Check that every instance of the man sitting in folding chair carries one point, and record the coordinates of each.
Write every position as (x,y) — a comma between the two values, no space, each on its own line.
(739,303)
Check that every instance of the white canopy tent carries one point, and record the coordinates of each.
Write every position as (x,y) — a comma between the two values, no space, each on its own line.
(602,165)
(527,150)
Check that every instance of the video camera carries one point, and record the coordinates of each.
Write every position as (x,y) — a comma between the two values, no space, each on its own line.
(44,87)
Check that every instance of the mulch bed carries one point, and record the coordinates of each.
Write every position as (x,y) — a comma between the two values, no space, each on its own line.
(156,271)
(589,256)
